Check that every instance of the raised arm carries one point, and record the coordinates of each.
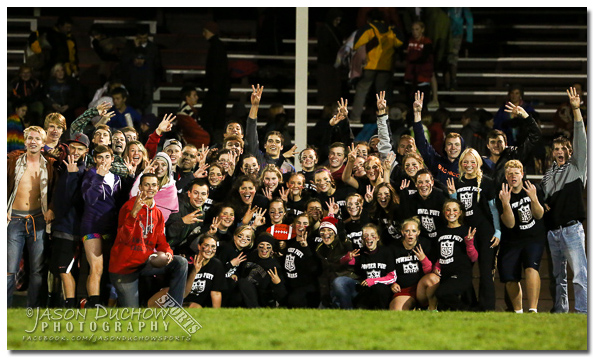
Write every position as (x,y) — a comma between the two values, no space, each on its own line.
(425,149)
(81,122)
(347,173)
(384,145)
(251,131)
(579,142)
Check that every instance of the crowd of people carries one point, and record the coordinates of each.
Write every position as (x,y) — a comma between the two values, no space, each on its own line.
(123,220)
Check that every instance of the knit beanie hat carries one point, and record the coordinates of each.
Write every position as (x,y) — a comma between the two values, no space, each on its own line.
(330,223)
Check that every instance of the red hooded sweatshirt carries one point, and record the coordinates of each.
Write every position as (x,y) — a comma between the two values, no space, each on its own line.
(137,238)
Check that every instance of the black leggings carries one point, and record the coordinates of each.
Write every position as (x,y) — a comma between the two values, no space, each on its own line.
(375,297)
(455,293)
(486,262)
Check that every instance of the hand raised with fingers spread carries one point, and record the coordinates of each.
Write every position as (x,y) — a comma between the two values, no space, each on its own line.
(530,189)
(369,193)
(275,279)
(471,234)
(192,218)
(515,110)
(201,172)
(71,165)
(450,183)
(259,219)
(238,260)
(103,107)
(291,152)
(249,214)
(256,94)
(214,226)
(388,162)
(342,111)
(381,102)
(505,194)
(404,184)
(131,167)
(166,124)
(419,252)
(268,193)
(138,203)
(352,156)
(333,207)
(283,193)
(106,118)
(353,254)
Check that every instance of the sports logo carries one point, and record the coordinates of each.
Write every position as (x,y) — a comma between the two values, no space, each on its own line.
(410,268)
(290,263)
(525,212)
(447,248)
(374,274)
(467,199)
(198,286)
(428,223)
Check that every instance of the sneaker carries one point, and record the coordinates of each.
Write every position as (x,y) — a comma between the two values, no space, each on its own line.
(433,105)
(532,310)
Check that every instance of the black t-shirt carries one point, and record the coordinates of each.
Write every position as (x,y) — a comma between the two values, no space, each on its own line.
(340,196)
(452,252)
(211,277)
(476,212)
(428,210)
(295,208)
(409,268)
(300,264)
(354,231)
(375,264)
(526,227)
(227,251)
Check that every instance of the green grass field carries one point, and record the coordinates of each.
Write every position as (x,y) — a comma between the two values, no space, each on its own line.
(282,329)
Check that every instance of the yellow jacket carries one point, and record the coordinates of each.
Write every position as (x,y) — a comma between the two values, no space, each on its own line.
(380,57)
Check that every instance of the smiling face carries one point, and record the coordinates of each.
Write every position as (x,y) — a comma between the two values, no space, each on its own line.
(247,191)
(226,218)
(161,169)
(174,152)
(411,166)
(188,159)
(301,226)
(336,158)
(372,170)
(358,167)
(496,145)
(424,185)
(452,213)
(452,147)
(273,146)
(234,129)
(224,161)
(208,248)
(308,159)
(250,166)
(406,145)
(270,180)
(149,186)
(362,151)
(327,235)
(314,210)
(243,238)
(514,178)
(197,195)
(383,197)
(34,142)
(119,143)
(323,182)
(265,250)
(469,164)
(410,232)
(77,150)
(370,238)
(101,137)
(54,132)
(276,213)
(215,176)
(235,146)
(135,155)
(296,185)
(561,153)
(354,206)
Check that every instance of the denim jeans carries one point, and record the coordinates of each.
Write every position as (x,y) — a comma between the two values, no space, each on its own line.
(20,231)
(568,245)
(343,291)
(127,285)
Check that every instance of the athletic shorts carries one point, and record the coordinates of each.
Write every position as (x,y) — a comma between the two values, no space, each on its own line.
(513,259)
(63,254)
(408,291)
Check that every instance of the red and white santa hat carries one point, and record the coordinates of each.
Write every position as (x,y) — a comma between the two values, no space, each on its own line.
(329,222)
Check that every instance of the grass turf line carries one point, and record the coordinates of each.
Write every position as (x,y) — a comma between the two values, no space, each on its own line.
(283,329)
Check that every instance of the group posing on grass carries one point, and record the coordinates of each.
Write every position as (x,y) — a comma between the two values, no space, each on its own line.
(238,226)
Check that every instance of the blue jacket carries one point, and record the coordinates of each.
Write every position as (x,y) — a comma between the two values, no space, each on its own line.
(101,204)
(439,165)
(69,205)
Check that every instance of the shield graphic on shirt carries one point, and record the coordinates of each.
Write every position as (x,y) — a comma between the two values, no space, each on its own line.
(447,248)
(525,212)
(290,263)
(467,199)
(428,223)
(374,274)
(198,286)
(410,268)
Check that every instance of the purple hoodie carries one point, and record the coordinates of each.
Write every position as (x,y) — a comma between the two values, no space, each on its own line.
(101,203)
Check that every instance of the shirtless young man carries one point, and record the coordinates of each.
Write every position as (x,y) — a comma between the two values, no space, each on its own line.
(30,181)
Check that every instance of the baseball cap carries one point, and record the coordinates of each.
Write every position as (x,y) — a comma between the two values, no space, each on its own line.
(172,142)
(79,138)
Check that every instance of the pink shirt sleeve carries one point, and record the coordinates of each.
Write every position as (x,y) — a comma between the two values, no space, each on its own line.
(426,265)
(471,252)
(386,280)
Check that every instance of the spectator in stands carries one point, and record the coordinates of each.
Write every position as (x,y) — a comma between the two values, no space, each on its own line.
(137,76)
(380,42)
(125,115)
(563,119)
(330,39)
(458,16)
(63,47)
(189,102)
(501,152)
(55,126)
(62,93)
(108,49)
(438,30)
(504,120)
(118,142)
(419,63)
(440,121)
(217,80)
(15,127)
(151,53)
(563,186)
(27,89)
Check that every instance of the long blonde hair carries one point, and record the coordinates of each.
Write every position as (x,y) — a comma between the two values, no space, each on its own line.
(479,172)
